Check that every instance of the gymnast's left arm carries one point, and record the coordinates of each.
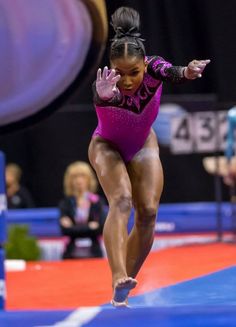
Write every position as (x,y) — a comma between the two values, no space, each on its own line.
(195,68)
(163,70)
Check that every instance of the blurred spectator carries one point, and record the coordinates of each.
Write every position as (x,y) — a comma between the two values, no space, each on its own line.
(81,211)
(18,197)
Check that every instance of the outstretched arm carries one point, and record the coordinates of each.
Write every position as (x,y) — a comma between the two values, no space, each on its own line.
(161,69)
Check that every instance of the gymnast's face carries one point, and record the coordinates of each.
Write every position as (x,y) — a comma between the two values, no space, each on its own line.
(131,69)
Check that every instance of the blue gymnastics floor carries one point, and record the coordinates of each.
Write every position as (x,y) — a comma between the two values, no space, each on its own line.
(206,301)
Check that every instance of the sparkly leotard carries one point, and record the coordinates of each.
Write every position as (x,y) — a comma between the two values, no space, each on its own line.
(125,121)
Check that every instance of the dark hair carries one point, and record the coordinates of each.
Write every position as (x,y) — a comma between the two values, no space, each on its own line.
(126,24)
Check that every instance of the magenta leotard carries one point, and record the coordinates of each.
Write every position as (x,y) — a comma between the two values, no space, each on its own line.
(125,121)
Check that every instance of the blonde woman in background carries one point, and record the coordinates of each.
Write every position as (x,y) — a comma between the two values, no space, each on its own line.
(82,210)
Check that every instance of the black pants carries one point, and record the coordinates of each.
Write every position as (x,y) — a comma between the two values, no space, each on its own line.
(75,232)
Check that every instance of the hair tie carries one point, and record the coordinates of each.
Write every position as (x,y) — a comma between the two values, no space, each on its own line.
(120,33)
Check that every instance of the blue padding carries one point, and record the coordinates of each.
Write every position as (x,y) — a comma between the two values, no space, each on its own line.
(2,279)
(191,217)
(2,173)
(3,201)
(2,256)
(163,317)
(196,217)
(180,316)
(42,222)
(32,318)
(3,234)
(172,218)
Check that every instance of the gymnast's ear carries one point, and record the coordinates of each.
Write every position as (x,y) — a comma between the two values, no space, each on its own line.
(146,65)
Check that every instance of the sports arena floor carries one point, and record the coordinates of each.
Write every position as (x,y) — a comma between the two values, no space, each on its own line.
(186,285)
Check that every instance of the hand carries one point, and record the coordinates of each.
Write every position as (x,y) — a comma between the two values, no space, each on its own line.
(229,180)
(93,224)
(106,83)
(195,68)
(66,222)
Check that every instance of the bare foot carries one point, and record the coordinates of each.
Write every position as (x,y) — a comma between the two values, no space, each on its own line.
(122,288)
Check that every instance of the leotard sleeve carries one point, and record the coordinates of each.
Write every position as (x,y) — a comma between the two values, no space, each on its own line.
(163,70)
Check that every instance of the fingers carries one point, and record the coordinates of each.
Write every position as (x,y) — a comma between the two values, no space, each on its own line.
(196,67)
(115,79)
(107,75)
(207,61)
(99,74)
(111,74)
(112,77)
(201,62)
(199,65)
(104,73)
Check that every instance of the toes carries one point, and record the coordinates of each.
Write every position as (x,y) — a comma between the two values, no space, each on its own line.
(123,304)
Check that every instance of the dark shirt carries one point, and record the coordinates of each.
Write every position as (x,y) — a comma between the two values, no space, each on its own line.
(97,213)
(22,199)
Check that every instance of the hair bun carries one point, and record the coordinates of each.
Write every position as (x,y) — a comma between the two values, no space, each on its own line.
(126,23)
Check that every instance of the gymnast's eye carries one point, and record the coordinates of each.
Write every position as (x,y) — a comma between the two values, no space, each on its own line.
(134,73)
(119,73)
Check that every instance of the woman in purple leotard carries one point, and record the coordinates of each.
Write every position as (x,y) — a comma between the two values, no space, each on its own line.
(124,149)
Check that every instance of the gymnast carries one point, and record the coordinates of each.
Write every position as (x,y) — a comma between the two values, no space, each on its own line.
(124,150)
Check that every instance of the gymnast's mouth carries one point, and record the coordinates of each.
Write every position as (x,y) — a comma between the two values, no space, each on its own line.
(128,91)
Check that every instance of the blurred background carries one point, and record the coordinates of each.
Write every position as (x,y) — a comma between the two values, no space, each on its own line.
(47,135)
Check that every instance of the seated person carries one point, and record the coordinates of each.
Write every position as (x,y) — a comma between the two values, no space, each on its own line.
(81,211)
(223,167)
(226,169)
(18,197)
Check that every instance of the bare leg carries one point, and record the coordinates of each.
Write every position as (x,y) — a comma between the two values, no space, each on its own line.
(114,179)
(146,176)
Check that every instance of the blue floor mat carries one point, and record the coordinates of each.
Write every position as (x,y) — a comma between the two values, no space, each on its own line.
(206,301)
(214,289)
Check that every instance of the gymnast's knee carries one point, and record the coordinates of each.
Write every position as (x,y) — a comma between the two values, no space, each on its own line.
(122,202)
(146,216)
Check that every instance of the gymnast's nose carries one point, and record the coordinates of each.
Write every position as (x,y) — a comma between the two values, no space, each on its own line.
(127,83)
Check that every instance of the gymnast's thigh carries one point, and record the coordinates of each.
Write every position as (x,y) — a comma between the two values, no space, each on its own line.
(146,174)
(110,169)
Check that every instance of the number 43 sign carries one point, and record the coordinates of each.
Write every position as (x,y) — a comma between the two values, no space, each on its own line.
(199,132)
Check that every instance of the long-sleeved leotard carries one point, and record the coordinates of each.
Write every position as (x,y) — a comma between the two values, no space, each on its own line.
(125,121)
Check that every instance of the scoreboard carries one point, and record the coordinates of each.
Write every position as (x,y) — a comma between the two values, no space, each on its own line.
(199,132)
